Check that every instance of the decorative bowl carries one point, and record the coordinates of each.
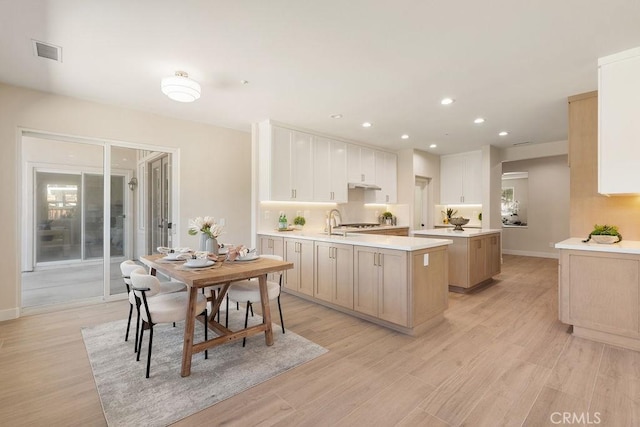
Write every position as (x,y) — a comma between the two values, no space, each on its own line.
(458,222)
(606,239)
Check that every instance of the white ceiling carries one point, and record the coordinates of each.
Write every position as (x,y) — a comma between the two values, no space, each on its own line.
(513,62)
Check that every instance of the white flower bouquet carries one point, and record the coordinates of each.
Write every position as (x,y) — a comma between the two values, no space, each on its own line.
(206,225)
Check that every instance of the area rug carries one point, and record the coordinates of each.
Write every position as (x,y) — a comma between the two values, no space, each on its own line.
(130,399)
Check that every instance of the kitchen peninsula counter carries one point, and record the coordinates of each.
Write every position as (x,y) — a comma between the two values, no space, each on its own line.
(394,281)
(599,290)
(474,257)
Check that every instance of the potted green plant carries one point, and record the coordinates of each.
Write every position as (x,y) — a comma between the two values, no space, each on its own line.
(604,234)
(388,217)
(299,222)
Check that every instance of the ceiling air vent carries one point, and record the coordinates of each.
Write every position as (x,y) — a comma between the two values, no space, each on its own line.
(48,51)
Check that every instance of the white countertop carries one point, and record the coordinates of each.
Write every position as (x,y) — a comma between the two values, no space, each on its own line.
(371,240)
(381,227)
(624,247)
(449,232)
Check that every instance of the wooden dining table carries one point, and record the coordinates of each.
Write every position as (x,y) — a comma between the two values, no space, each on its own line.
(220,274)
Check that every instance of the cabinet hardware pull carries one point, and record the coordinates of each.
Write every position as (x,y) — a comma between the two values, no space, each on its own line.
(362,177)
(380,259)
(375,256)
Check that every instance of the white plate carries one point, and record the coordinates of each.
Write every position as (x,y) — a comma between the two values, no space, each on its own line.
(250,257)
(223,251)
(208,264)
(166,258)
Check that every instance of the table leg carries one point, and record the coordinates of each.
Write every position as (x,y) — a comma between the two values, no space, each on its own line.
(266,309)
(189,326)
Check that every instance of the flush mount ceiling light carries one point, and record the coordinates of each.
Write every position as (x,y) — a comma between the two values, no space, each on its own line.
(366,125)
(503,133)
(405,136)
(336,116)
(433,146)
(180,87)
(446,101)
(478,120)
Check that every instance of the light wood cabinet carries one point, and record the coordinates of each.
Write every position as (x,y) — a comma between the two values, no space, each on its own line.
(477,259)
(380,284)
(330,171)
(286,164)
(361,164)
(599,294)
(334,273)
(268,245)
(461,178)
(618,124)
(300,277)
(399,231)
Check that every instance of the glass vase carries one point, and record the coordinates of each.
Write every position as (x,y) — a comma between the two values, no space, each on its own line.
(209,244)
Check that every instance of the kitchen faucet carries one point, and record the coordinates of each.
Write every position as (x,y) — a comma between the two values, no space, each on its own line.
(331,212)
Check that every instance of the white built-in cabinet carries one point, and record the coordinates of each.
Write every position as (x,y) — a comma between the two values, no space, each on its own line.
(361,165)
(618,124)
(334,273)
(461,178)
(329,171)
(291,165)
(386,177)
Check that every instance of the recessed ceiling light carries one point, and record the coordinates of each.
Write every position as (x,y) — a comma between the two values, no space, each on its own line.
(244,82)
(433,146)
(405,136)
(478,120)
(366,125)
(336,116)
(446,101)
(503,133)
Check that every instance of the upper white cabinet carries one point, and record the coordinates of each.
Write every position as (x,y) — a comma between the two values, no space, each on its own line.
(361,165)
(386,177)
(461,178)
(329,171)
(618,124)
(286,164)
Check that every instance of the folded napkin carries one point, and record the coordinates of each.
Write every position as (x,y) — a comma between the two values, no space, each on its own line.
(239,252)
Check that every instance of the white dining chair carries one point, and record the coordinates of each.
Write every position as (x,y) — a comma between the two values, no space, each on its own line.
(156,307)
(248,292)
(126,267)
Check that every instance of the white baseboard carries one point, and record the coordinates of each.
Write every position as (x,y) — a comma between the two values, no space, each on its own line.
(531,253)
(9,314)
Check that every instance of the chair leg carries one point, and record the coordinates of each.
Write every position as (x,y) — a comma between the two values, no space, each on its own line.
(135,346)
(206,327)
(149,354)
(140,343)
(251,306)
(126,335)
(280,310)
(226,322)
(246,321)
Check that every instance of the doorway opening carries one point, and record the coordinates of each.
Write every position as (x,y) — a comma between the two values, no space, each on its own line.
(421,203)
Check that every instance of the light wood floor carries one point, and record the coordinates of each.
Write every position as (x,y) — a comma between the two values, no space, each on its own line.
(500,358)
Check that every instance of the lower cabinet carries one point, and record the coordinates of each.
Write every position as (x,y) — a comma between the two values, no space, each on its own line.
(300,277)
(268,245)
(334,273)
(380,284)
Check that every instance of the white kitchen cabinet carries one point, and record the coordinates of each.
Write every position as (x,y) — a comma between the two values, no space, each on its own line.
(361,165)
(380,277)
(334,273)
(461,178)
(286,168)
(300,277)
(386,169)
(618,124)
(329,171)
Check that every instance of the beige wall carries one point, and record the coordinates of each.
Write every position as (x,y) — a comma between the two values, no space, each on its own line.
(548,207)
(215,164)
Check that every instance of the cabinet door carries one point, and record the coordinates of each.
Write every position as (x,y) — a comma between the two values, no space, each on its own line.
(472,178)
(393,302)
(268,245)
(353,163)
(386,177)
(281,164)
(495,256)
(302,166)
(325,272)
(292,276)
(391,161)
(305,282)
(367,165)
(451,176)
(343,283)
(338,174)
(477,260)
(322,170)
(618,124)
(365,281)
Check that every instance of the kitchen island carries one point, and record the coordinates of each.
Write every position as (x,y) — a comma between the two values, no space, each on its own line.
(474,257)
(599,290)
(394,281)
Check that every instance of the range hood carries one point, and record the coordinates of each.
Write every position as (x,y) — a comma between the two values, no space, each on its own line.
(363,185)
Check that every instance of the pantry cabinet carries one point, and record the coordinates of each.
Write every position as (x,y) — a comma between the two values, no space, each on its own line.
(334,273)
(461,178)
(330,171)
(618,124)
